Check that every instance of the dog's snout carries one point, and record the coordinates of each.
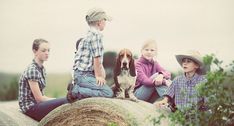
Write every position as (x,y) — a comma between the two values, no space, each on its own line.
(124,63)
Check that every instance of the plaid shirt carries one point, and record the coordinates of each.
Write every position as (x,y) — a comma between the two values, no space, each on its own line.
(184,91)
(91,46)
(33,72)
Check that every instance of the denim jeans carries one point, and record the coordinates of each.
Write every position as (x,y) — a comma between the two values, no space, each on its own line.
(85,85)
(41,109)
(150,93)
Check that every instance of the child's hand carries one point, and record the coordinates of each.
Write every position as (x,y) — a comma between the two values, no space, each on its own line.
(168,82)
(100,81)
(158,80)
(161,103)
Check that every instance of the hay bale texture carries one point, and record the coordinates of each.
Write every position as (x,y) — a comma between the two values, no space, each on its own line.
(103,112)
(10,115)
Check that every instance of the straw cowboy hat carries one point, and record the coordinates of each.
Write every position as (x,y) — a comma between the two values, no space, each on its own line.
(195,56)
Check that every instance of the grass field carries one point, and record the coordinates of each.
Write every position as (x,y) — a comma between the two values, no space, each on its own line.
(56,85)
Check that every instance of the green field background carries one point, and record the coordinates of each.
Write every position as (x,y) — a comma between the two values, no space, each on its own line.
(56,85)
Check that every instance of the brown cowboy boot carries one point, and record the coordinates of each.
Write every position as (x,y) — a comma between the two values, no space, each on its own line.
(70,97)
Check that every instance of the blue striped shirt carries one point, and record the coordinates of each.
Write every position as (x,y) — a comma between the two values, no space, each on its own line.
(184,91)
(89,48)
(35,73)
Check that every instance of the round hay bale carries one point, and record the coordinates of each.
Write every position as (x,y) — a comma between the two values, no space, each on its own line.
(103,112)
(10,115)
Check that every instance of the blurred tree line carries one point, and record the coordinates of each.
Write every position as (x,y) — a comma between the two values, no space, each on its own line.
(8,86)
(109,63)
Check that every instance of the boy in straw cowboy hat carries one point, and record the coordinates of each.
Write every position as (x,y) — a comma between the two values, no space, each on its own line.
(182,91)
(89,74)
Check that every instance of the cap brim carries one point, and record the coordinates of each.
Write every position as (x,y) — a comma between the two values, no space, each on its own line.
(108,18)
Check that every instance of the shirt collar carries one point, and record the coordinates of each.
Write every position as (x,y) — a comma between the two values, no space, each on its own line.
(94,30)
(191,79)
(34,62)
(144,60)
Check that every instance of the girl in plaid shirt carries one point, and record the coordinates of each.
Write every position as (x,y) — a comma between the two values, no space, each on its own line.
(32,100)
(182,91)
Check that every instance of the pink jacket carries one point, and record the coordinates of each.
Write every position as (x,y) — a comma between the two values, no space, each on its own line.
(145,69)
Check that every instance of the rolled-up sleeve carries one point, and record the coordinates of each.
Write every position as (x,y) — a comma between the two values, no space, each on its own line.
(33,74)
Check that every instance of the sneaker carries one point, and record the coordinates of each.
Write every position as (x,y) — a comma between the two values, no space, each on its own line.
(70,97)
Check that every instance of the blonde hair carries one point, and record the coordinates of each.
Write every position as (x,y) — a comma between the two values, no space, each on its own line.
(150,42)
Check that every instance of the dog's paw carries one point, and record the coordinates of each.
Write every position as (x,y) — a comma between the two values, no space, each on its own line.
(134,99)
(120,98)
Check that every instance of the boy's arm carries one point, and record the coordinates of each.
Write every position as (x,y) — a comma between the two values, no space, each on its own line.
(169,94)
(99,71)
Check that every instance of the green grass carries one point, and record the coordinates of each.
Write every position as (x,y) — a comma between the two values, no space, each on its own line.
(57,84)
(8,86)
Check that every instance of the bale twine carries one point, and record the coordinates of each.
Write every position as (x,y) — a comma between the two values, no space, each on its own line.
(103,112)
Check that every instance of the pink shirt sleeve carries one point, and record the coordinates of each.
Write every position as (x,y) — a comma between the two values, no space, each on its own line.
(141,76)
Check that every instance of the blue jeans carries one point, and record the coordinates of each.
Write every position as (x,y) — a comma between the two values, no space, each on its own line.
(41,109)
(85,85)
(150,93)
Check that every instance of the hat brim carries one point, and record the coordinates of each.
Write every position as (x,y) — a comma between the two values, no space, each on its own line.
(202,68)
(108,18)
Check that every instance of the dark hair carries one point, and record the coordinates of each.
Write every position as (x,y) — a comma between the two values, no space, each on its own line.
(37,42)
(78,42)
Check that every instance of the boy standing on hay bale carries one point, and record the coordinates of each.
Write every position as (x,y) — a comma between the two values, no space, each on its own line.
(89,73)
(182,93)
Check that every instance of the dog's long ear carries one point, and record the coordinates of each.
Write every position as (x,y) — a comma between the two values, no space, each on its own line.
(132,67)
(117,68)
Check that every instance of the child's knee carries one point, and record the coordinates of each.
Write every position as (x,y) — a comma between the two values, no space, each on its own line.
(109,93)
(75,89)
(141,96)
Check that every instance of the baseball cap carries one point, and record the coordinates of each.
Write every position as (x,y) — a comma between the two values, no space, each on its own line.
(96,14)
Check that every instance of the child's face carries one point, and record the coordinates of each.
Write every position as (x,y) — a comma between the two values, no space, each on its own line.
(43,52)
(149,52)
(101,24)
(189,66)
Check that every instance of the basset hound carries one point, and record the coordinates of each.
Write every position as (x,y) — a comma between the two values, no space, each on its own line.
(124,75)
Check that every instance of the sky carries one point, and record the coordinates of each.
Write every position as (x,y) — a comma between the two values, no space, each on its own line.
(176,25)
